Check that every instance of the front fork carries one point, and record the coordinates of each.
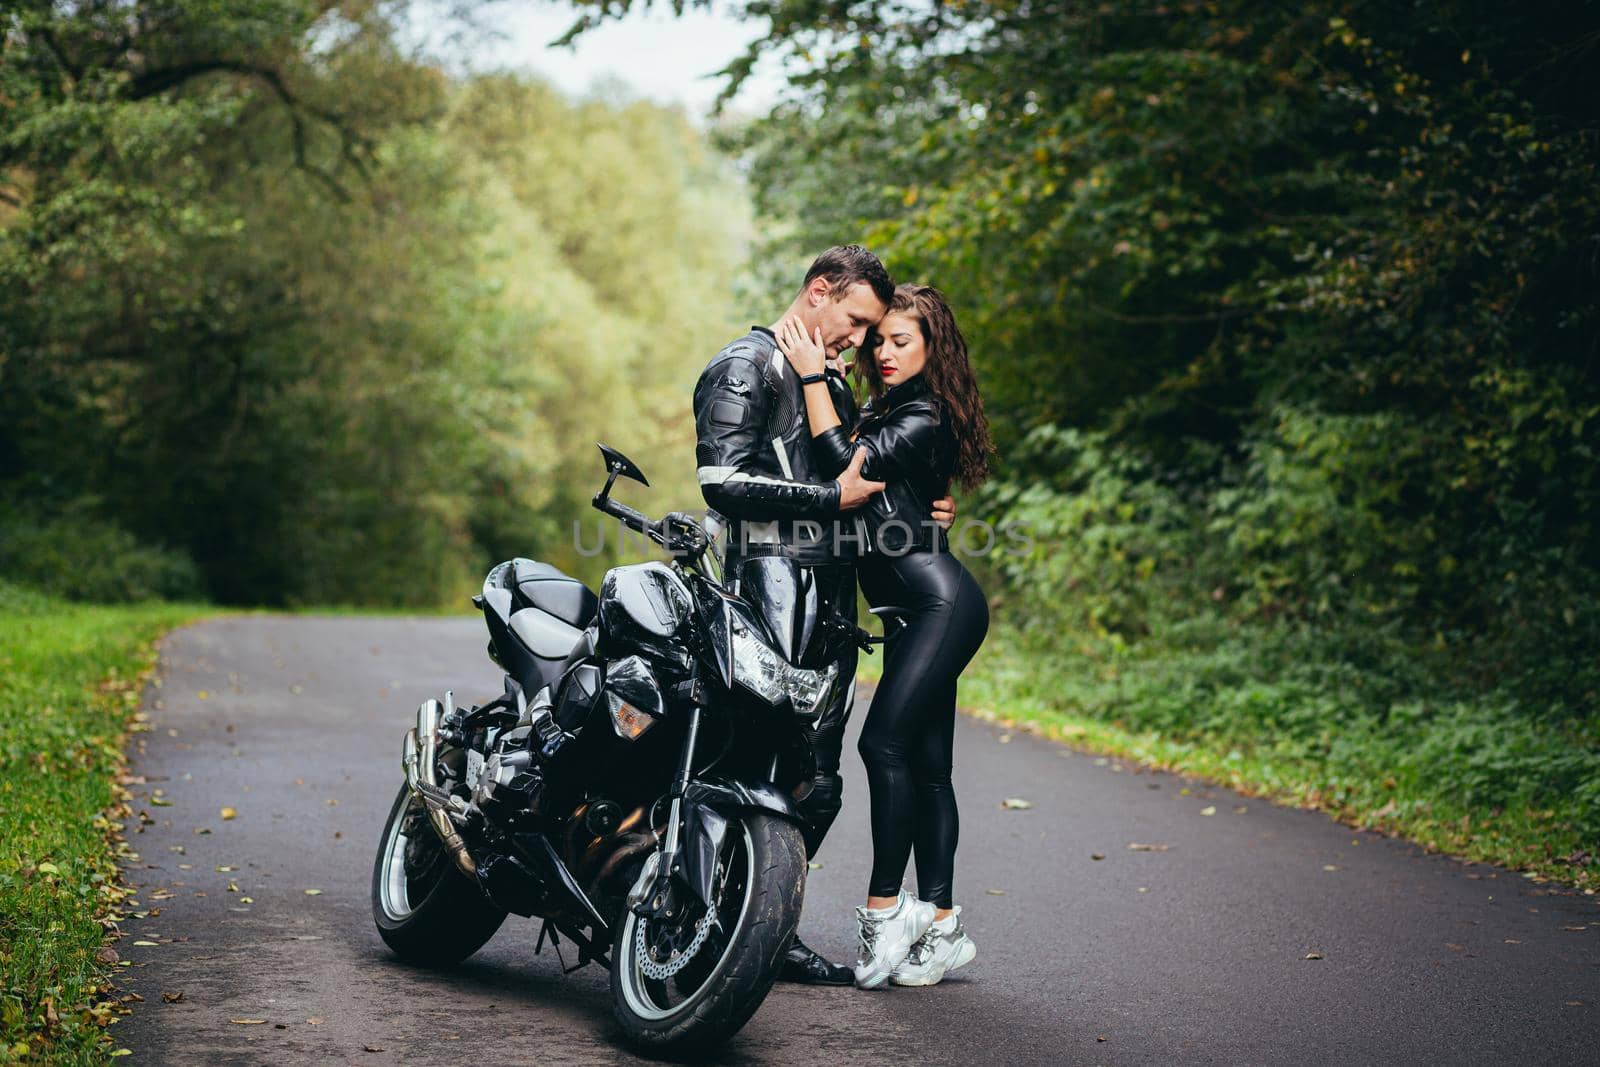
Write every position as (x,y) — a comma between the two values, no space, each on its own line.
(649,892)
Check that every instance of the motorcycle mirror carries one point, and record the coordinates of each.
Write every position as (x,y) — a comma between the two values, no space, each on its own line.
(617,463)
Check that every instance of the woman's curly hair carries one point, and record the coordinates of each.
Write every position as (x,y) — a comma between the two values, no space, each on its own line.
(949,374)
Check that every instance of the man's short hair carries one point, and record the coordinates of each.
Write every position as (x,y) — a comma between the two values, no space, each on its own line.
(845,265)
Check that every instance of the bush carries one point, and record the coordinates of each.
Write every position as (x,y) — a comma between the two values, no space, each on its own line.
(80,556)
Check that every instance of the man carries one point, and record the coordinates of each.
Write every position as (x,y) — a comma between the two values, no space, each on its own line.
(756,471)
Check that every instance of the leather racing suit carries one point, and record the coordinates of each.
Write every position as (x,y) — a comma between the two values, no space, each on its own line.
(753,454)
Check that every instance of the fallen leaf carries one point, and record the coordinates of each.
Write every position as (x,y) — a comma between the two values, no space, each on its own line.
(1575,929)
(997,892)
(147,944)
(48,868)
(1097,855)
(224,869)
(247,1022)
(203,695)
(1574,1003)
(1144,889)
(247,900)
(1313,955)
(304,937)
(1240,810)
(229,813)
(1004,739)
(373,1048)
(1511,941)
(1016,804)
(1136,847)
(313,892)
(1455,946)
(813,865)
(313,1021)
(1332,867)
(172,998)
(1209,809)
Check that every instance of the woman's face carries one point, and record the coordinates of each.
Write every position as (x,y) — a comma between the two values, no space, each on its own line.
(902,354)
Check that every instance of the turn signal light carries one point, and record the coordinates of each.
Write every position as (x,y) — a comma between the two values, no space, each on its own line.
(629,721)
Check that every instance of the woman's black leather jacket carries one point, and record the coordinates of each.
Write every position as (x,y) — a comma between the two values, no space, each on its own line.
(910,445)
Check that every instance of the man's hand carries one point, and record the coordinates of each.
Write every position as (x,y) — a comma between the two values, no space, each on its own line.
(944,511)
(853,488)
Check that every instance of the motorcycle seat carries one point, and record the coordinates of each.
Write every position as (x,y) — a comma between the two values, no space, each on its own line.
(539,585)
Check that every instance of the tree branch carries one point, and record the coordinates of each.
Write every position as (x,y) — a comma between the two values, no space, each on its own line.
(352,144)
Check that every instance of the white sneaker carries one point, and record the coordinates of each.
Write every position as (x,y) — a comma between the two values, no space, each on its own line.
(941,950)
(887,934)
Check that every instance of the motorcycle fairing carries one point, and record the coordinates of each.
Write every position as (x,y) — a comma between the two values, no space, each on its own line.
(784,596)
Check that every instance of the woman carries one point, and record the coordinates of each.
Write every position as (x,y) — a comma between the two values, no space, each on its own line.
(923,427)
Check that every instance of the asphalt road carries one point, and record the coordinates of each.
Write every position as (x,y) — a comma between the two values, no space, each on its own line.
(1194,952)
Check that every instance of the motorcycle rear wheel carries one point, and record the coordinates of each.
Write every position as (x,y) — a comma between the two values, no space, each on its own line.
(424,907)
(764,861)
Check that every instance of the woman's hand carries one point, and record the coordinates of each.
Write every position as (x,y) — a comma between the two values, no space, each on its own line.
(805,354)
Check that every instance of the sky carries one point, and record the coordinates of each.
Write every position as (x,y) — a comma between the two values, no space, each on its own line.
(660,56)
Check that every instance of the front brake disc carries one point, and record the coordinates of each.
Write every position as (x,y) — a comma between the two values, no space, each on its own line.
(676,960)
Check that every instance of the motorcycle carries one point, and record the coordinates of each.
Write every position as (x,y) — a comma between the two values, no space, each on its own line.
(633,787)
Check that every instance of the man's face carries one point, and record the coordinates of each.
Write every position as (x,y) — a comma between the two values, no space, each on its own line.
(845,319)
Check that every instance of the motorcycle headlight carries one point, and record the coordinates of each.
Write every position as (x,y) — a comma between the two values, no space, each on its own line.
(769,676)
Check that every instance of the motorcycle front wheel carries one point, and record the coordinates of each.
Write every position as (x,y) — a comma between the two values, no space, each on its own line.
(688,988)
(425,908)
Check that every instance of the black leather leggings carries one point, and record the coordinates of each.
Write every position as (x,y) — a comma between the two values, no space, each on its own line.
(907,740)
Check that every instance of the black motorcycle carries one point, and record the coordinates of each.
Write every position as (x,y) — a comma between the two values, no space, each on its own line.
(634,786)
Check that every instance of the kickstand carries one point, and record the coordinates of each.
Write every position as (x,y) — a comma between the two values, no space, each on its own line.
(555,943)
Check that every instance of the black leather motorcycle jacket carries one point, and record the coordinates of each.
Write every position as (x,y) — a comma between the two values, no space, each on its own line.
(911,446)
(755,462)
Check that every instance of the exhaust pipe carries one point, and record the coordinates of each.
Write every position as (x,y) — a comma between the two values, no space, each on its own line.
(418,756)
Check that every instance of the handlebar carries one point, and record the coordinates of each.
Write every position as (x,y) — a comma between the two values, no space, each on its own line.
(632,519)
(677,531)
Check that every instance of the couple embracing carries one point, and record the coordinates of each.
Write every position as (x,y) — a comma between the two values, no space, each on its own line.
(797,471)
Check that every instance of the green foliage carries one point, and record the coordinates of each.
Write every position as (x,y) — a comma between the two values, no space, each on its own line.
(290,301)
(80,556)
(70,679)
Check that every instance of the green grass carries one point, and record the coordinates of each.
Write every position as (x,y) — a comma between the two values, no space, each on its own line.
(1280,715)
(70,682)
